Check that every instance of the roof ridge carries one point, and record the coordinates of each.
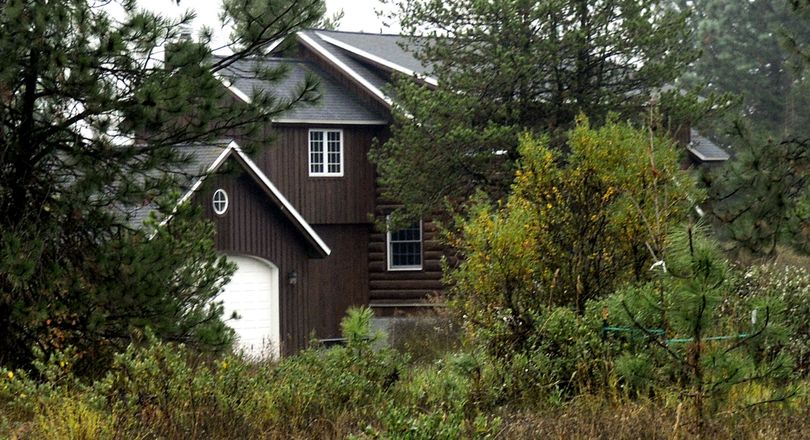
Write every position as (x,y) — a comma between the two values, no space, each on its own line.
(373,34)
(269,57)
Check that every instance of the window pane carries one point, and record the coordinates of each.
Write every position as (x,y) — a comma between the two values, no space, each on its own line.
(333,150)
(412,232)
(406,246)
(325,155)
(316,152)
(316,161)
(406,254)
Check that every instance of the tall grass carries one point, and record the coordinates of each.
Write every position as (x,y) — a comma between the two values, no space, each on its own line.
(159,390)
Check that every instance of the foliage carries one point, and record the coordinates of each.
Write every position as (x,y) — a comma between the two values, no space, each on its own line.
(565,357)
(425,337)
(508,66)
(687,338)
(163,390)
(568,232)
(790,287)
(92,110)
(757,49)
(750,49)
(252,19)
(761,200)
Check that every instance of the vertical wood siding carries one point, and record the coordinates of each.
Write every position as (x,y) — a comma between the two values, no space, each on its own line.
(340,280)
(253,226)
(348,199)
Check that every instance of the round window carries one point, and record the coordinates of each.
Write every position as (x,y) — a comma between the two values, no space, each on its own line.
(220,201)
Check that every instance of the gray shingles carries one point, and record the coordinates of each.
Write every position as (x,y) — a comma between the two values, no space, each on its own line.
(388,47)
(706,150)
(369,75)
(200,158)
(336,104)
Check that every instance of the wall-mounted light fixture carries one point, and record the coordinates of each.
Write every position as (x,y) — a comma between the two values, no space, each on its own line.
(292,278)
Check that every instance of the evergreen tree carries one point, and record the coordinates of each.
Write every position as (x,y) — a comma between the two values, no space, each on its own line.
(690,339)
(761,200)
(757,49)
(746,50)
(508,66)
(92,108)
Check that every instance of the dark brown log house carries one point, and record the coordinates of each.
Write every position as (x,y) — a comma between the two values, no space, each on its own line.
(298,217)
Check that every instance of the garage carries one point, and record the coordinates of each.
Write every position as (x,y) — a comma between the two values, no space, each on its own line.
(252,294)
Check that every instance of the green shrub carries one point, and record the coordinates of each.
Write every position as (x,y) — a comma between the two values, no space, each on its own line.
(445,400)
(572,229)
(788,286)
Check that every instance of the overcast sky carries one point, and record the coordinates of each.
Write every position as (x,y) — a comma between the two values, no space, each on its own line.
(359,15)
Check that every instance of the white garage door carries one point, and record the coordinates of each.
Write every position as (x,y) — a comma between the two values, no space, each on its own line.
(253,295)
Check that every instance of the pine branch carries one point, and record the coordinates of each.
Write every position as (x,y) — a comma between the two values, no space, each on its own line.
(652,336)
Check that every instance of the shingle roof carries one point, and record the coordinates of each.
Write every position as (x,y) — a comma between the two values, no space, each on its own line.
(205,159)
(200,157)
(706,150)
(336,104)
(388,47)
(374,78)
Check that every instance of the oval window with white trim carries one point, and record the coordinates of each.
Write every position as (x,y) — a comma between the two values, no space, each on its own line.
(220,201)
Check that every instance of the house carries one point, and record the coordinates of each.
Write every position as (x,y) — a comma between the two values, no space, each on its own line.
(298,217)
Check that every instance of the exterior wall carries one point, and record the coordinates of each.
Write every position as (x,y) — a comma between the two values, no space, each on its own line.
(322,200)
(341,210)
(392,291)
(253,226)
(340,280)
(403,288)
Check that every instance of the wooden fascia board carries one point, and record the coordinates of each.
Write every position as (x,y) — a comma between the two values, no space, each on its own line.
(312,237)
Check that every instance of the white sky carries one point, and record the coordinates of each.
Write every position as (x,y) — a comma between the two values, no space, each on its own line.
(359,15)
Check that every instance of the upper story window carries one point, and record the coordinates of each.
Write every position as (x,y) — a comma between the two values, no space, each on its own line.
(220,201)
(405,248)
(325,152)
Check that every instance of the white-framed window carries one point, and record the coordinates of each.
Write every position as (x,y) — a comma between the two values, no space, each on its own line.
(220,201)
(325,152)
(405,248)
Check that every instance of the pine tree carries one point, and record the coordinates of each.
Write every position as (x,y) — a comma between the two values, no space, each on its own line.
(746,50)
(508,66)
(92,108)
(756,49)
(761,200)
(689,340)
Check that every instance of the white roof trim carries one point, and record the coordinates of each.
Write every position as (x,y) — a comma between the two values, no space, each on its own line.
(340,64)
(330,121)
(284,202)
(374,58)
(704,158)
(272,46)
(232,88)
(234,147)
